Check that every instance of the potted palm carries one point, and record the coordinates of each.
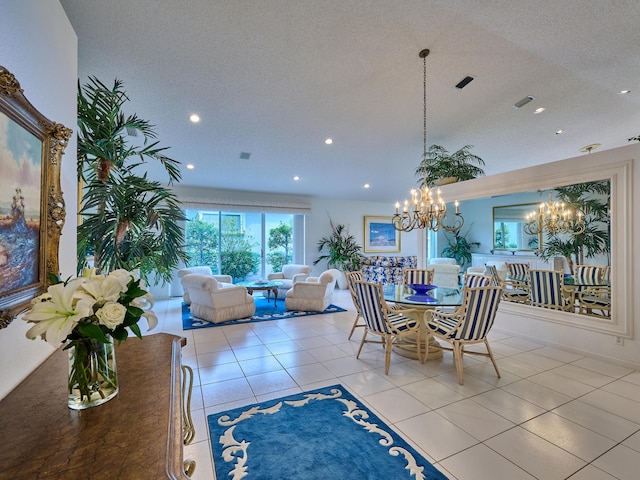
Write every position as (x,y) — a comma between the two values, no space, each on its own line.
(127,220)
(342,252)
(460,249)
(439,167)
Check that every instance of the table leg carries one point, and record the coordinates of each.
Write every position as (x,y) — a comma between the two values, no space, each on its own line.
(275,296)
(407,346)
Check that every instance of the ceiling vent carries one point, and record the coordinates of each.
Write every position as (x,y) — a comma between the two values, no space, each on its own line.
(245,155)
(524,101)
(464,82)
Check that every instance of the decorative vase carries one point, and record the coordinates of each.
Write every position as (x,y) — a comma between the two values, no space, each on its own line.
(93,378)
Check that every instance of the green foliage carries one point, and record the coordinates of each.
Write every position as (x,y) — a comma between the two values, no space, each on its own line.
(593,199)
(459,248)
(128,221)
(202,244)
(437,163)
(237,258)
(280,237)
(343,252)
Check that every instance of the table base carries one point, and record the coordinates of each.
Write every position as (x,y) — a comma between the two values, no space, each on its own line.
(407,347)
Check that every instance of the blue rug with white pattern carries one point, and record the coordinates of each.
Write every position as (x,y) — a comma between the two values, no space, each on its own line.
(324,434)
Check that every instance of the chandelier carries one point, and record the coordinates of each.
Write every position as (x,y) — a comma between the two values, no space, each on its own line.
(426,209)
(554,218)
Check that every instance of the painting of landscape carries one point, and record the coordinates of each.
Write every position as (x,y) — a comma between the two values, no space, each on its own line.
(20,190)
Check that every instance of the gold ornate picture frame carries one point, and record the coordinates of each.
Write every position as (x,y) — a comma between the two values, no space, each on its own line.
(32,210)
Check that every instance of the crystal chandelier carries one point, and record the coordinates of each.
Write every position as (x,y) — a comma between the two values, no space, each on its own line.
(426,209)
(554,218)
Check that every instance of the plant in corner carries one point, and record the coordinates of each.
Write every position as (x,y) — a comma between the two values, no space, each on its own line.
(343,252)
(128,220)
(459,248)
(438,166)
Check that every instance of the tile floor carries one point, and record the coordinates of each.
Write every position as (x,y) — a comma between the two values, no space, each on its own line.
(552,415)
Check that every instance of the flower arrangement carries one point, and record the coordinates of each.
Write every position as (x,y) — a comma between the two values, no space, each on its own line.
(85,313)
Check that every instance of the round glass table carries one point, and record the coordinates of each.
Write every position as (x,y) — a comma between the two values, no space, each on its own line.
(407,297)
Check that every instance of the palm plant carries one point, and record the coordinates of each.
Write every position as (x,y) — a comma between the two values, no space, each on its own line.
(593,199)
(128,220)
(459,248)
(343,252)
(437,163)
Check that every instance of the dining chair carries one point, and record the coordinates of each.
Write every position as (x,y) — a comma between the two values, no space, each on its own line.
(385,322)
(595,301)
(353,277)
(516,287)
(586,276)
(469,324)
(476,280)
(548,290)
(492,271)
(416,275)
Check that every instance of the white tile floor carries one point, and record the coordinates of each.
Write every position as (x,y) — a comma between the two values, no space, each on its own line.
(552,415)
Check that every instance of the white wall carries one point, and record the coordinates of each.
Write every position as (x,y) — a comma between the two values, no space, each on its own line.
(38,45)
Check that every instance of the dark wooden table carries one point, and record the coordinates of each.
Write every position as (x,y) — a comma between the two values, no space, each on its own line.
(136,435)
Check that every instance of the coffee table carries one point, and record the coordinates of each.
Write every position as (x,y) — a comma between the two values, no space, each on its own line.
(271,286)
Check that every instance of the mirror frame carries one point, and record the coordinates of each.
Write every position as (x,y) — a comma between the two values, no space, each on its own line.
(581,169)
(493,224)
(53,138)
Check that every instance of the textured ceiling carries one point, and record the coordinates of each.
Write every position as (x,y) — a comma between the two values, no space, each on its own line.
(277,77)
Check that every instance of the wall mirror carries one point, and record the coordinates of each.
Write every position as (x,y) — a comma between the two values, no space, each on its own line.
(508,228)
(530,187)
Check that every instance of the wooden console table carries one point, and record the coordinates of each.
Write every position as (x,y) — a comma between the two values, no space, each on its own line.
(136,435)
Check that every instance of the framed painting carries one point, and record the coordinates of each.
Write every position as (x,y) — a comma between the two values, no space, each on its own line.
(380,236)
(32,209)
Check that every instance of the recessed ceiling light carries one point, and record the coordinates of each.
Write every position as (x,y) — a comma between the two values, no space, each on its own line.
(538,110)
(190,166)
(366,185)
(194,118)
(328,141)
(559,132)
(624,92)
(296,178)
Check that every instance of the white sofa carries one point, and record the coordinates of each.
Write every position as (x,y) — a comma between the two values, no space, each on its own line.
(289,275)
(199,271)
(217,302)
(313,294)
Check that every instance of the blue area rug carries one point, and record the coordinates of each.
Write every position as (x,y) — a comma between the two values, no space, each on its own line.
(324,434)
(265,311)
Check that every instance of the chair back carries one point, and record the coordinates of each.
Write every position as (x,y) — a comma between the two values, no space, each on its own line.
(371,300)
(588,275)
(546,288)
(518,269)
(446,275)
(442,261)
(476,280)
(415,275)
(492,271)
(353,277)
(478,312)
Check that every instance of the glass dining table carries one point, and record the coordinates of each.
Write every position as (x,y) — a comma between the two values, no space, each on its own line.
(406,297)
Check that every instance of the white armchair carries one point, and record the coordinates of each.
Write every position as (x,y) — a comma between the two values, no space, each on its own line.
(314,294)
(445,275)
(289,275)
(199,271)
(217,302)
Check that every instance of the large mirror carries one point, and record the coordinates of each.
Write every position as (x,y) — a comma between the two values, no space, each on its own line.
(603,192)
(509,231)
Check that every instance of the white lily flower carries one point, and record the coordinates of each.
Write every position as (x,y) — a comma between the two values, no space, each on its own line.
(152,320)
(123,276)
(56,318)
(106,289)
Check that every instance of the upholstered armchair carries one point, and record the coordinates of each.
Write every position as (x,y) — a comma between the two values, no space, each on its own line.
(313,294)
(289,275)
(445,275)
(217,302)
(199,271)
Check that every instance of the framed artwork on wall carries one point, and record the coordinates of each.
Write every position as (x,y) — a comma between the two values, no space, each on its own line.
(32,210)
(380,236)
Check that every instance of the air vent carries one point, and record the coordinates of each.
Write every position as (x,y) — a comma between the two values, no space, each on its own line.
(464,82)
(524,101)
(245,155)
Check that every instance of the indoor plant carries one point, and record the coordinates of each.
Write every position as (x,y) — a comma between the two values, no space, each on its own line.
(127,220)
(342,251)
(459,248)
(85,314)
(438,166)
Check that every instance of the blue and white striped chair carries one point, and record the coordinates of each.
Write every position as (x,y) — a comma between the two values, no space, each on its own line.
(586,276)
(476,280)
(548,290)
(492,271)
(385,322)
(419,276)
(516,284)
(469,324)
(353,277)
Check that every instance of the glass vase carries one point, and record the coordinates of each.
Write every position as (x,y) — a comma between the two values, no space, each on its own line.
(93,378)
